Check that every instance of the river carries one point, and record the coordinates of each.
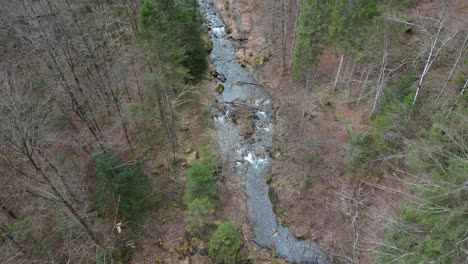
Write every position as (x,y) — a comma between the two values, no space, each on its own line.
(248,154)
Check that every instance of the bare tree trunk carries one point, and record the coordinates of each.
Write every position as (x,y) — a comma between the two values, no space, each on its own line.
(12,240)
(296,19)
(304,100)
(338,74)
(355,225)
(8,211)
(64,201)
(369,70)
(308,85)
(460,55)
(434,51)
(166,109)
(461,93)
(127,91)
(381,82)
(351,73)
(140,94)
(464,87)
(283,35)
(345,74)
(363,71)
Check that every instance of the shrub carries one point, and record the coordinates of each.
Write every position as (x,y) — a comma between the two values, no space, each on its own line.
(225,243)
(21,229)
(357,152)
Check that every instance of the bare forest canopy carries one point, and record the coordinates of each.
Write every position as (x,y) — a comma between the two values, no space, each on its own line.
(88,99)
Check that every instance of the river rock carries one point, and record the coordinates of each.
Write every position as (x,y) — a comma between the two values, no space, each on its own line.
(220,88)
(276,154)
(185,261)
(221,77)
(208,43)
(245,127)
(188,150)
(185,126)
(191,157)
(228,30)
(302,233)
(213,73)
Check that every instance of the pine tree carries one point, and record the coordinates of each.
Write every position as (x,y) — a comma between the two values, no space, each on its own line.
(121,186)
(349,23)
(200,183)
(201,191)
(225,243)
(171,26)
(311,36)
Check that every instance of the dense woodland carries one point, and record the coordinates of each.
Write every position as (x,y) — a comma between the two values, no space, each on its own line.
(92,101)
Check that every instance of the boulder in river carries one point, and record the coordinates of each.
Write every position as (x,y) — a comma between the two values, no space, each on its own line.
(207,42)
(220,88)
(245,127)
(213,73)
(221,77)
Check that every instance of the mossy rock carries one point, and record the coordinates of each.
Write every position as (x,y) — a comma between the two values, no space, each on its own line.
(259,61)
(207,42)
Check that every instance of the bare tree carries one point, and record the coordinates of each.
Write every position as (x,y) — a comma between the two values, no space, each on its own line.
(436,35)
(25,132)
(455,64)
(381,81)
(335,83)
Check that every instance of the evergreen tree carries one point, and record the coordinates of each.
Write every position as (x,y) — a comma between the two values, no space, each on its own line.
(121,186)
(199,212)
(158,36)
(346,25)
(225,243)
(171,27)
(350,20)
(200,183)
(311,35)
(201,191)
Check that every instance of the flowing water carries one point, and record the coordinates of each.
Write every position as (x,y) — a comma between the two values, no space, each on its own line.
(249,154)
